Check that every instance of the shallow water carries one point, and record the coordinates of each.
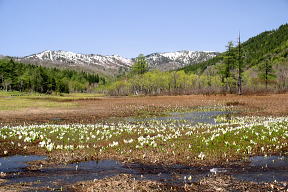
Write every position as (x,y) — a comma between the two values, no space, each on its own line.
(269,161)
(266,169)
(263,176)
(193,117)
(260,169)
(65,175)
(58,176)
(17,162)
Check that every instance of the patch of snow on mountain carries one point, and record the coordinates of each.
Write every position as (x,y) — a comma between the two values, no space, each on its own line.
(67,56)
(115,63)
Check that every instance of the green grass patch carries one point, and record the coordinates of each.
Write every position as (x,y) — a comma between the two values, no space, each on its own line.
(14,100)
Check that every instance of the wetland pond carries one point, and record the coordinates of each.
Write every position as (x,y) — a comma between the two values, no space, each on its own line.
(15,169)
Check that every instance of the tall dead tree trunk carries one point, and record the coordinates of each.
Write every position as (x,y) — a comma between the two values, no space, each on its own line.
(240,70)
(266,74)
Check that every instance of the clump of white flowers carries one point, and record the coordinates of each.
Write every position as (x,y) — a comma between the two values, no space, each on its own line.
(201,156)
(248,133)
(114,143)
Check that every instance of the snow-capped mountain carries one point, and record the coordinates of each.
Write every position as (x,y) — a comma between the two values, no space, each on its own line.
(178,59)
(87,62)
(114,64)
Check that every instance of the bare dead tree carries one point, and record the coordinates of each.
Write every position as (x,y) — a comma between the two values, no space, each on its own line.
(240,66)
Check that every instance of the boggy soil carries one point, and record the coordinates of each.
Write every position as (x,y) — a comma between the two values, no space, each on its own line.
(101,108)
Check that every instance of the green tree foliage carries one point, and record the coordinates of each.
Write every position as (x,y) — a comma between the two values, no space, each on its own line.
(174,82)
(266,72)
(229,60)
(25,77)
(199,68)
(140,66)
(225,69)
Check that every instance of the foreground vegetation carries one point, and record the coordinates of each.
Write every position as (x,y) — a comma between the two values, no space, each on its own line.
(154,141)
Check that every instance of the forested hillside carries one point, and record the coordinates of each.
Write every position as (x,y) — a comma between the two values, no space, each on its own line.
(25,77)
(270,44)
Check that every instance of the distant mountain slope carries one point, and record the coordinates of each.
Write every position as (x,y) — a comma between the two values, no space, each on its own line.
(90,62)
(269,44)
(178,59)
(111,65)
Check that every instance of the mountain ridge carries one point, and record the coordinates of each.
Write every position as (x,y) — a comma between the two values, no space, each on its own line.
(114,64)
(178,59)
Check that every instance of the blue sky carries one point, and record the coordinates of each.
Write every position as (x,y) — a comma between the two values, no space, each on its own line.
(131,27)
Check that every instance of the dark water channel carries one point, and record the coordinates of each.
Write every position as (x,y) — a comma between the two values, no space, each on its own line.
(259,169)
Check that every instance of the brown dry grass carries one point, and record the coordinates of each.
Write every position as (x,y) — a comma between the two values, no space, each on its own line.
(89,111)
(127,183)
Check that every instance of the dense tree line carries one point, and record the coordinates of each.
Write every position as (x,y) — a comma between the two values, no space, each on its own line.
(210,82)
(25,77)
(157,83)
